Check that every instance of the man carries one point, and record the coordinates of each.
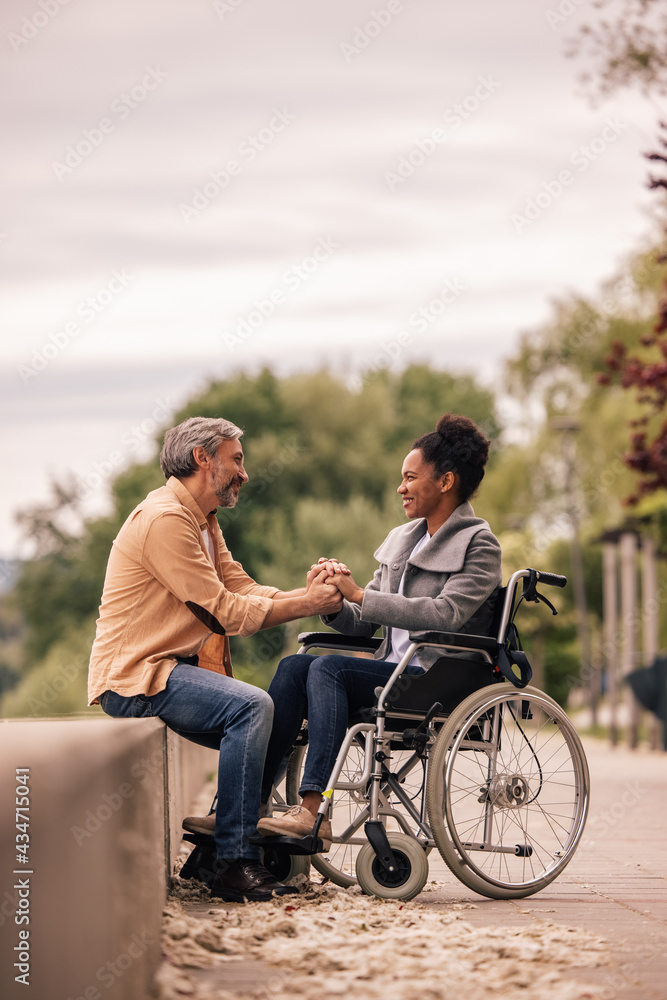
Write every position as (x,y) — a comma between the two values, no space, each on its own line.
(172,596)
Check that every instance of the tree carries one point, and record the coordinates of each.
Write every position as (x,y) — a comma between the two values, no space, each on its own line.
(324,463)
(646,372)
(568,476)
(554,375)
(628,47)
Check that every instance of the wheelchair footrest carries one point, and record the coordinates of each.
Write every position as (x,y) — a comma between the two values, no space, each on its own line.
(202,839)
(290,845)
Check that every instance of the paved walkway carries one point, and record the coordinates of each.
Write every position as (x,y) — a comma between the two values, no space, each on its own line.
(616,885)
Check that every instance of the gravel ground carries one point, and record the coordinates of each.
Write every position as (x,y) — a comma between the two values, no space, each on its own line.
(329,942)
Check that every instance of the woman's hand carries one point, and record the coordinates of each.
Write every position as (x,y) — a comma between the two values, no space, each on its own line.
(347,587)
(332,567)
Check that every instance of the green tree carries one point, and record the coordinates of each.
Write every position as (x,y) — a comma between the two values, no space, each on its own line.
(554,373)
(568,476)
(324,463)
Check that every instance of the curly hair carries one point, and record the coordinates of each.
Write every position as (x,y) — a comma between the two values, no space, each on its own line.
(456,445)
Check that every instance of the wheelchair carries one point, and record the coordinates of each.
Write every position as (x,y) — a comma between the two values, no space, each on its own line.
(467,758)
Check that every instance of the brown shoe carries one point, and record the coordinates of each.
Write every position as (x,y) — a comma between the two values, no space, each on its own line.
(296,822)
(200,824)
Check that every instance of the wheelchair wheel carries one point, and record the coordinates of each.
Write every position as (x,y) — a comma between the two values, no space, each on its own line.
(349,808)
(283,866)
(507,791)
(404,883)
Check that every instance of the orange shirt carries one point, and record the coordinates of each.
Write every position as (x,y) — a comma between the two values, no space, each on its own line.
(164,598)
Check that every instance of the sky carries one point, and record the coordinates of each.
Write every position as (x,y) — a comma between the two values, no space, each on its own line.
(190,190)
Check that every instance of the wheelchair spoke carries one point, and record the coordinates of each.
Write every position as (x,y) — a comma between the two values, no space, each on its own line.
(511,806)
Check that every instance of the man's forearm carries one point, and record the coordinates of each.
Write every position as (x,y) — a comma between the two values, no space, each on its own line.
(285,595)
(318,599)
(287,609)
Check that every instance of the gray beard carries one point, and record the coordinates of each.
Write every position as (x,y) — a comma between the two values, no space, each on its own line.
(227,496)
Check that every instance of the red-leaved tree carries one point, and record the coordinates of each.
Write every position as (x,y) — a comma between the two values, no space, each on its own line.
(648,375)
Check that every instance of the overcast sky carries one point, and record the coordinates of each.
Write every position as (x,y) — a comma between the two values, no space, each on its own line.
(195,188)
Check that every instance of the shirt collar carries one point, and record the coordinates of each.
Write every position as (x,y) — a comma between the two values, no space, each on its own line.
(186,498)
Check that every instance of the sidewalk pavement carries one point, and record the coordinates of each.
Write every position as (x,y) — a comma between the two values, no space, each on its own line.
(615,887)
(616,884)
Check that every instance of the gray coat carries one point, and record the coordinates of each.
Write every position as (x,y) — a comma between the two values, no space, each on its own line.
(449,586)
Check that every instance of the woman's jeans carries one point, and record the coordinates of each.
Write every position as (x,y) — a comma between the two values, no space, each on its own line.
(326,690)
(222,713)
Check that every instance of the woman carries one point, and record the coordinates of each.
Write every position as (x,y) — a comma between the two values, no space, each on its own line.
(440,572)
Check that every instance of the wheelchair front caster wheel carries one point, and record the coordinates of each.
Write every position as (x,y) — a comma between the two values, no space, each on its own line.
(404,883)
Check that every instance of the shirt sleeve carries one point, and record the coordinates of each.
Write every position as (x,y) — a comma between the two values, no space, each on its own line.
(172,553)
(461,596)
(235,577)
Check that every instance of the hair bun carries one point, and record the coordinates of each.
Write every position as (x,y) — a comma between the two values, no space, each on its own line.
(457,445)
(444,424)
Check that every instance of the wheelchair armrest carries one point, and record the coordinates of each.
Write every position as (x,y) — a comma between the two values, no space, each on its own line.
(339,641)
(486,642)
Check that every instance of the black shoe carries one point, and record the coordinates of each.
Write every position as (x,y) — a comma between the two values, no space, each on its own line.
(246,880)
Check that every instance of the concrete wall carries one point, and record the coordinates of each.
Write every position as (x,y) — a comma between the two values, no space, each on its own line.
(106,801)
(188,767)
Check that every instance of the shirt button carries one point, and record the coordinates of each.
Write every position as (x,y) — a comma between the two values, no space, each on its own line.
(395,566)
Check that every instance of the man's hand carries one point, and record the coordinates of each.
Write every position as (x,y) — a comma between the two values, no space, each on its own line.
(323,595)
(347,587)
(332,567)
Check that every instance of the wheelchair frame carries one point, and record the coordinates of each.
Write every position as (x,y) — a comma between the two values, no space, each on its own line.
(481,774)
(394,865)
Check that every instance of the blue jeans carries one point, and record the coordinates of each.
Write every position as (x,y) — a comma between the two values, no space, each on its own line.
(326,690)
(227,715)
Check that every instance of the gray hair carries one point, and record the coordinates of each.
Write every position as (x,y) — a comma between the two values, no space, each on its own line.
(206,432)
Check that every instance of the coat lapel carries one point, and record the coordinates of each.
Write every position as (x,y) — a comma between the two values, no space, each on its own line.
(445,553)
(396,548)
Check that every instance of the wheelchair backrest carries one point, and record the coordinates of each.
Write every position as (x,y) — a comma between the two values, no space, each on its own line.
(451,678)
(449,681)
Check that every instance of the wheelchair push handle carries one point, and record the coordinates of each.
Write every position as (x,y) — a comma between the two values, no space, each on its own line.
(551,579)
(531,578)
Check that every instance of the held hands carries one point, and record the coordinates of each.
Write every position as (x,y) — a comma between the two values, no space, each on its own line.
(326,582)
(324,597)
(331,580)
(330,566)
(335,576)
